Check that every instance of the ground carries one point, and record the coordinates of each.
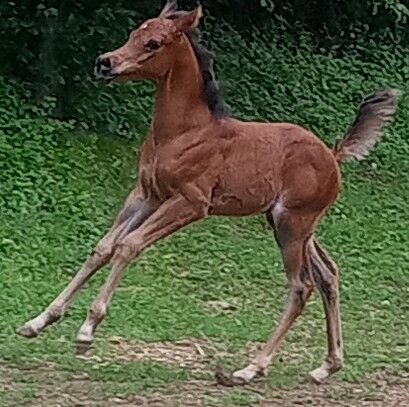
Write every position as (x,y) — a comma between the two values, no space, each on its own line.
(204,298)
(45,385)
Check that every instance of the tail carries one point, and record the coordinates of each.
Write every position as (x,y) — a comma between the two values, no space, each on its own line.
(374,113)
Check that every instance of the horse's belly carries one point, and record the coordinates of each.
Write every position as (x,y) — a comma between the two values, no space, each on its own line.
(241,199)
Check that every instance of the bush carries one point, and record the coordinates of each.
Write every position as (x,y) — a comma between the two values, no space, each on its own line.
(53,47)
(28,137)
(270,77)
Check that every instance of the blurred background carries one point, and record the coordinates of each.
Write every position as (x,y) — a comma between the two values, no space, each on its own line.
(50,46)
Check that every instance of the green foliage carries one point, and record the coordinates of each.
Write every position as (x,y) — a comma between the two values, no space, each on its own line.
(124,110)
(52,46)
(396,8)
(268,88)
(27,139)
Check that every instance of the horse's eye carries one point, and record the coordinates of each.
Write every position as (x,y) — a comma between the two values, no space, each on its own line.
(152,45)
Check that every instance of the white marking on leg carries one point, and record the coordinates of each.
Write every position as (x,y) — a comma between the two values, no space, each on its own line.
(248,373)
(278,209)
(86,332)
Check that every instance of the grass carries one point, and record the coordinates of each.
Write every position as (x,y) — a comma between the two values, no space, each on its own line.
(170,292)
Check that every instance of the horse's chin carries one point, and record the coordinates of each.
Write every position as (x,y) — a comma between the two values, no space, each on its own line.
(134,76)
(106,78)
(111,79)
(122,77)
(134,73)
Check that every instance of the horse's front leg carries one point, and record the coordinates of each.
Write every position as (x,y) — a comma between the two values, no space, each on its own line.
(135,210)
(172,215)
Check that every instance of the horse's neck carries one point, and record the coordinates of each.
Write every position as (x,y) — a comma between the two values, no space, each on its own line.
(179,103)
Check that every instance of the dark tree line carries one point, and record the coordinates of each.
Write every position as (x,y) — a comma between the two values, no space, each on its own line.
(50,43)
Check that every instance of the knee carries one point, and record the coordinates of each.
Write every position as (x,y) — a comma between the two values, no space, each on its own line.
(125,251)
(103,251)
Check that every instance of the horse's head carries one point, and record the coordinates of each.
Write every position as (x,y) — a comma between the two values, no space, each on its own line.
(150,49)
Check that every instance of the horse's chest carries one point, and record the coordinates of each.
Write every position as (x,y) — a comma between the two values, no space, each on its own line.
(168,171)
(161,175)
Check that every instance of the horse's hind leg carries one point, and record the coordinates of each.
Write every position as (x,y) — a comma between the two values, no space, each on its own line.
(292,231)
(133,213)
(326,277)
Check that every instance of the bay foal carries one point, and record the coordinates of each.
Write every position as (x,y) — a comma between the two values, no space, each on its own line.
(197,162)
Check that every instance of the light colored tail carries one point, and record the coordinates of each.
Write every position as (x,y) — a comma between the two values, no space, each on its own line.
(374,113)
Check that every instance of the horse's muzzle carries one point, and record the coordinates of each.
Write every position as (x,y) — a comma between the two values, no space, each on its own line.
(103,68)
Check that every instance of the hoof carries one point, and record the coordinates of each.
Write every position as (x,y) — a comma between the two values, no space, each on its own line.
(328,368)
(27,331)
(228,380)
(318,376)
(83,347)
(313,378)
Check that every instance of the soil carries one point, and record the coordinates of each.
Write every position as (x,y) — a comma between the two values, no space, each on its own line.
(59,388)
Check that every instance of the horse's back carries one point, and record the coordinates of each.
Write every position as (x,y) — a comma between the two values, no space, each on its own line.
(265,161)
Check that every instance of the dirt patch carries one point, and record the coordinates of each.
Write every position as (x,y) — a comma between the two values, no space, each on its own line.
(373,392)
(377,391)
(50,387)
(199,355)
(55,388)
(193,353)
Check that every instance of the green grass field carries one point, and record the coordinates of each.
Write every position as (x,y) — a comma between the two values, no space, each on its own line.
(208,295)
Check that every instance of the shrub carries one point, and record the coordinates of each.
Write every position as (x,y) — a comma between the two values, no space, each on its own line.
(28,137)
(53,46)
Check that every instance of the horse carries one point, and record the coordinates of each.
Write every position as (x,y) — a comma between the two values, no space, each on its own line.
(197,161)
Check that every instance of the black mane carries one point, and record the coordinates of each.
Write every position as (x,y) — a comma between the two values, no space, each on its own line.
(211,87)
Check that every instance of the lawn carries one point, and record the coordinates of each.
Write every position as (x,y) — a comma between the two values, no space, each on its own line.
(205,297)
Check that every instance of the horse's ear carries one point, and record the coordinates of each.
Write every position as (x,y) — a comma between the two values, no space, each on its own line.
(171,8)
(188,21)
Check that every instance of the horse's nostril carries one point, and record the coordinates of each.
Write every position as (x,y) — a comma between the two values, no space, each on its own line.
(103,67)
(105,62)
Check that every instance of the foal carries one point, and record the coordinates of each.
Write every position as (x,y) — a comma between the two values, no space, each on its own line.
(197,162)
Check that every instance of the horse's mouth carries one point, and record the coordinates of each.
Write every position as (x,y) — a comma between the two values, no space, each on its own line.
(104,74)
(108,78)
